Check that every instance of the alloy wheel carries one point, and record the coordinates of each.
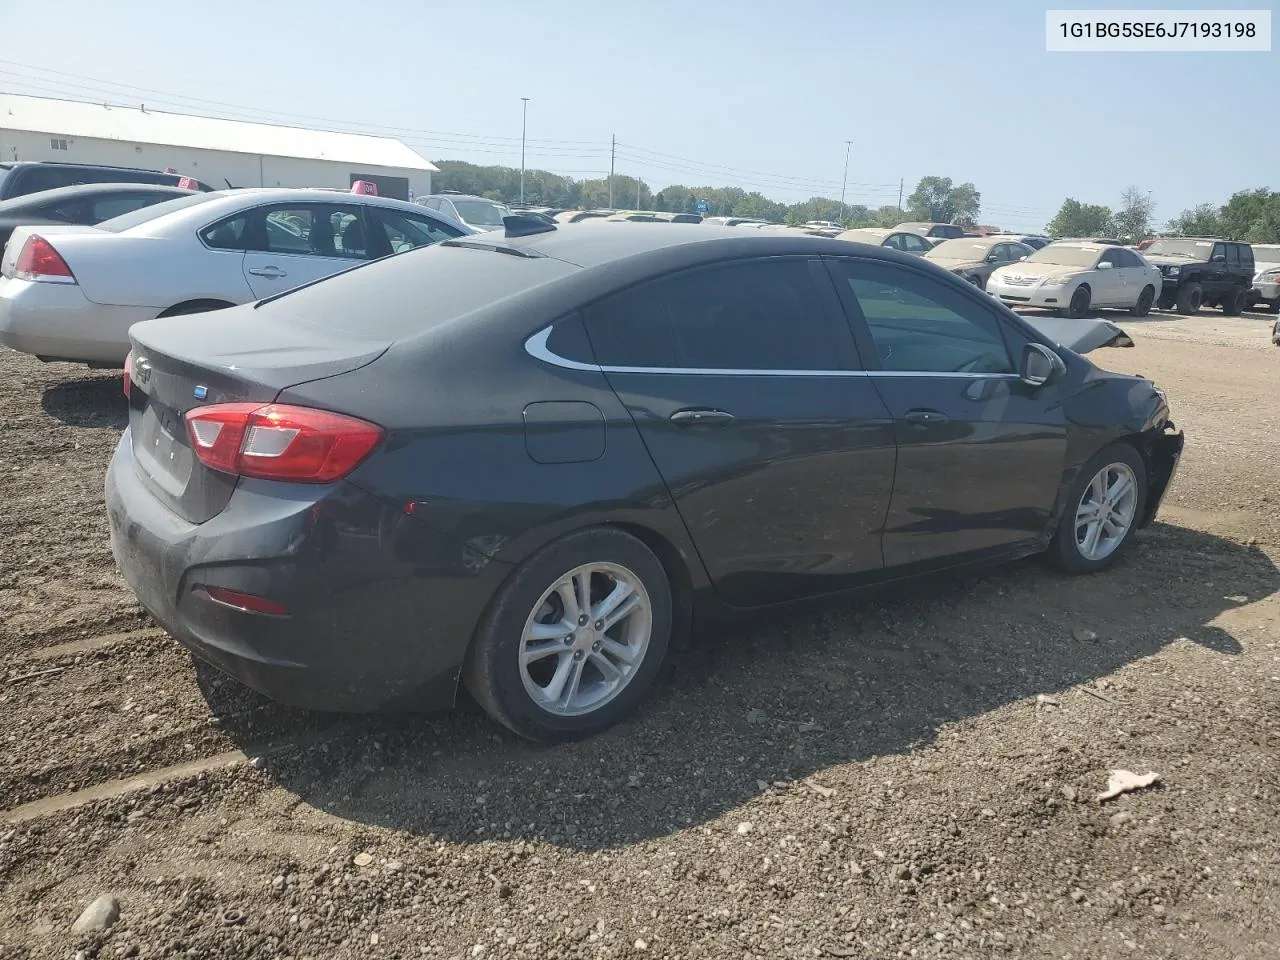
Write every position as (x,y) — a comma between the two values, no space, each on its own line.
(1106,511)
(585,639)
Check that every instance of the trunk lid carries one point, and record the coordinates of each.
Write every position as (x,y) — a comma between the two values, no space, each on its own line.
(230,356)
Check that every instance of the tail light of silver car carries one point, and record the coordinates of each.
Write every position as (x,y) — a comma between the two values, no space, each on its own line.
(280,442)
(38,261)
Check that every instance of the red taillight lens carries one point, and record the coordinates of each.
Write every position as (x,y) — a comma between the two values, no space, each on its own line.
(128,371)
(249,602)
(279,442)
(39,261)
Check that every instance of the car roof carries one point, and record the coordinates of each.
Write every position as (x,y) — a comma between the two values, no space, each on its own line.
(76,191)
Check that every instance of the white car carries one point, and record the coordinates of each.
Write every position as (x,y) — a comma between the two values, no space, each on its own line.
(71,293)
(1076,277)
(1266,279)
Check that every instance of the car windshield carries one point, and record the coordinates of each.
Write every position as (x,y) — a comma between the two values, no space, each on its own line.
(136,218)
(1266,253)
(1180,248)
(962,249)
(1061,255)
(482,212)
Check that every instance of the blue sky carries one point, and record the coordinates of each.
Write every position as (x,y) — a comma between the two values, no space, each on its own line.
(755,94)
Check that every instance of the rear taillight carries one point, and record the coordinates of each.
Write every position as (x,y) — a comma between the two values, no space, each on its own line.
(247,602)
(39,261)
(128,371)
(279,442)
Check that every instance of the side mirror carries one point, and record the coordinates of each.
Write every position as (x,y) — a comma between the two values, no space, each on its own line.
(1106,265)
(992,258)
(1220,258)
(1039,365)
(1021,258)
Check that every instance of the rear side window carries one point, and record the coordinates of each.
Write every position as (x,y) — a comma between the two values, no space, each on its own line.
(1246,255)
(226,234)
(750,315)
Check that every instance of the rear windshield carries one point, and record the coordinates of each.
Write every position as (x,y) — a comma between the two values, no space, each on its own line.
(127,221)
(1181,248)
(481,213)
(414,291)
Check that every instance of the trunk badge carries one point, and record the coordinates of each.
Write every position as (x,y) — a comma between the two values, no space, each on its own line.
(200,392)
(142,370)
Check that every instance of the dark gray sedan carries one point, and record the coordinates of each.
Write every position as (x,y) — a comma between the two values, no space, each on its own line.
(532,460)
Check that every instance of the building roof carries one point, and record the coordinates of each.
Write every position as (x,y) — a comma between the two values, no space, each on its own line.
(73,118)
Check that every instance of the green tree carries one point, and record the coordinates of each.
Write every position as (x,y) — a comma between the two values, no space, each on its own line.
(935,199)
(888,216)
(1248,214)
(1203,220)
(1132,221)
(1076,219)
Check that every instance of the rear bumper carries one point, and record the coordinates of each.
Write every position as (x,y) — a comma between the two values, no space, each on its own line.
(377,620)
(1164,455)
(55,321)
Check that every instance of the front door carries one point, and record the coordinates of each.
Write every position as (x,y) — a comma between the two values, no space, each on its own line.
(295,243)
(980,454)
(777,451)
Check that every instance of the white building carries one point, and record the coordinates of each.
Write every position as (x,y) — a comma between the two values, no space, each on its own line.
(219,152)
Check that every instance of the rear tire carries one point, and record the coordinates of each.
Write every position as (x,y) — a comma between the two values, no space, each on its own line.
(543,667)
(1145,299)
(1190,298)
(1233,304)
(1095,501)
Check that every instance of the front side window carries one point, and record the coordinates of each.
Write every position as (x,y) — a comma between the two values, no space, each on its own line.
(920,325)
(751,315)
(1218,251)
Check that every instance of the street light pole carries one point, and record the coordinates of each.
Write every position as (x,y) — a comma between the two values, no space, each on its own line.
(524,126)
(848,145)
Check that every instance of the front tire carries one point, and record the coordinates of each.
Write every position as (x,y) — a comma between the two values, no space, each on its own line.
(1079,304)
(1102,510)
(1190,298)
(1145,299)
(575,637)
(1233,303)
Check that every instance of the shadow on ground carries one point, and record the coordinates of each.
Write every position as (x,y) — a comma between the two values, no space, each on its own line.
(93,401)
(876,675)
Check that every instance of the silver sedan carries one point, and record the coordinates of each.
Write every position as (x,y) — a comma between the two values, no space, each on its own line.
(71,293)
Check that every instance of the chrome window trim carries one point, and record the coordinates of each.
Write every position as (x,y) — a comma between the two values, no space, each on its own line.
(536,347)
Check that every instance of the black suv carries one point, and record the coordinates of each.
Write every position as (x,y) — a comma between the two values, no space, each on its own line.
(1203,271)
(21,177)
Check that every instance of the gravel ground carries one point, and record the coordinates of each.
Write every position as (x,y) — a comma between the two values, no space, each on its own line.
(912,774)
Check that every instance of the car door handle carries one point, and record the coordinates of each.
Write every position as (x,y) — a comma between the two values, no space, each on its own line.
(926,416)
(696,415)
(272,272)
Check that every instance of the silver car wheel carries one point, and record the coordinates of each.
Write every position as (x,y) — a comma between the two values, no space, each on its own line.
(585,639)
(1106,511)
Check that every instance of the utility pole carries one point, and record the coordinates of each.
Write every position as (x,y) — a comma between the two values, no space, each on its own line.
(848,145)
(524,126)
(613,150)
(637,193)
(900,184)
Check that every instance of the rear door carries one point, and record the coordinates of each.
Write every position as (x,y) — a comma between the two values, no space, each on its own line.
(980,454)
(290,244)
(743,381)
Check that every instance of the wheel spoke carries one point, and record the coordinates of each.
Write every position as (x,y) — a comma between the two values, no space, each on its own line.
(1090,545)
(608,671)
(1112,526)
(569,600)
(532,653)
(571,688)
(628,607)
(582,587)
(550,631)
(619,593)
(555,688)
(1119,489)
(1098,489)
(618,651)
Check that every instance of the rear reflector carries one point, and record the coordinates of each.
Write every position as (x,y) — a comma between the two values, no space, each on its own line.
(128,371)
(248,602)
(280,442)
(39,261)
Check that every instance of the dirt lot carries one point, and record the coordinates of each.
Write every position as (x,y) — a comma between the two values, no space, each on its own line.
(910,775)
